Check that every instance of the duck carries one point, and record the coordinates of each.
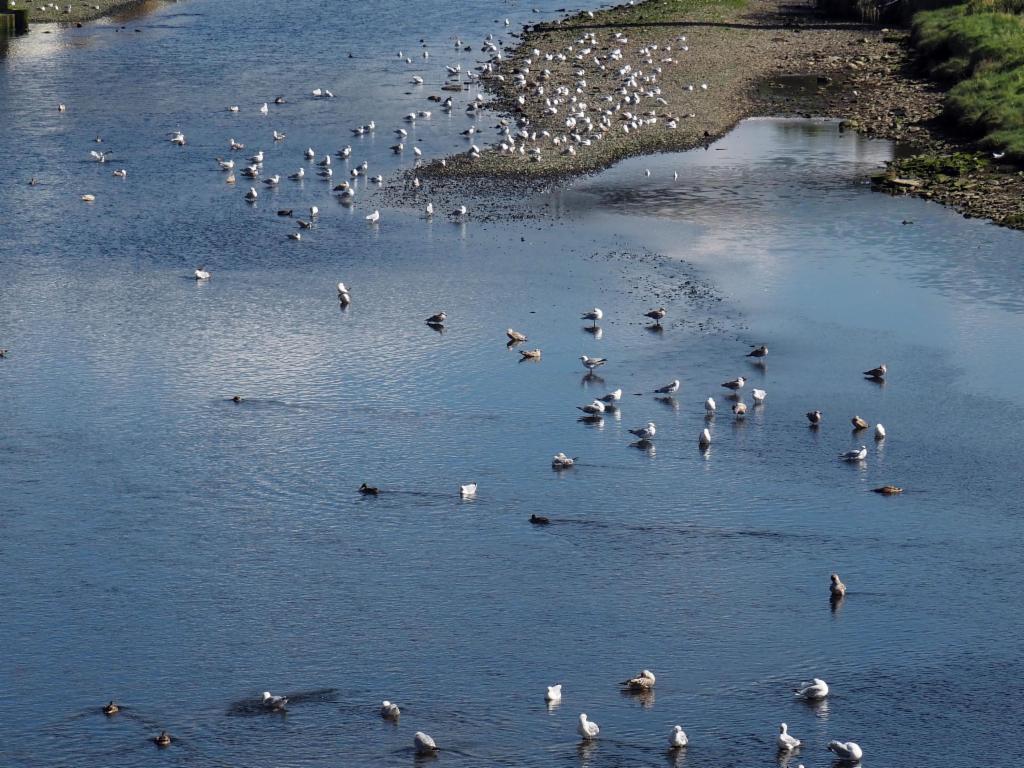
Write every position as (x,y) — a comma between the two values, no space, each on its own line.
(877,373)
(561,461)
(368,490)
(163,739)
(645,432)
(554,693)
(657,315)
(588,729)
(846,751)
(735,384)
(437,319)
(468,490)
(276,703)
(836,588)
(642,682)
(424,744)
(814,417)
(539,520)
(121,173)
(677,738)
(786,742)
(389,711)
(111,709)
(530,354)
(515,335)
(815,690)
(885,490)
(859,423)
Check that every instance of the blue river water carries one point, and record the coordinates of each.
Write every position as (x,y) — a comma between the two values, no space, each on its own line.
(180,553)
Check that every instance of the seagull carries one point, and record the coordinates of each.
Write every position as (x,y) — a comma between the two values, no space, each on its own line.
(225,165)
(298,175)
(645,680)
(611,397)
(593,315)
(459,213)
(814,417)
(590,363)
(554,693)
(657,315)
(677,738)
(739,409)
(645,432)
(273,181)
(704,441)
(857,454)
(251,195)
(264,109)
(429,210)
(438,319)
(389,711)
(121,173)
(588,729)
(530,354)
(467,491)
(877,373)
(201,274)
(235,145)
(998,155)
(836,588)
(374,217)
(278,136)
(846,752)
(786,742)
(178,138)
(515,335)
(257,158)
(294,235)
(596,408)
(424,744)
(885,490)
(561,461)
(313,211)
(859,423)
(275,703)
(879,432)
(735,384)
(816,690)
(710,407)
(668,389)
(758,352)
(759,396)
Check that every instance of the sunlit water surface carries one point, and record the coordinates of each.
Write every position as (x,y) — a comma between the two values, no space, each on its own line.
(180,553)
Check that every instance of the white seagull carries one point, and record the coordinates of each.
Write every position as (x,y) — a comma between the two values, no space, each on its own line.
(389,711)
(274,702)
(201,274)
(374,217)
(612,397)
(593,315)
(709,406)
(590,363)
(645,432)
(554,693)
(734,384)
(595,408)
(759,396)
(786,742)
(847,752)
(467,491)
(588,729)
(857,454)
(677,738)
(704,441)
(815,690)
(879,432)
(668,389)
(423,743)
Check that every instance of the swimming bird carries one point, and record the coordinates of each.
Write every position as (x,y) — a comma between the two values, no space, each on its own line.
(657,315)
(593,315)
(439,319)
(786,742)
(88,198)
(294,235)
(530,354)
(642,682)
(554,693)
(704,441)
(299,175)
(739,409)
(111,709)
(201,274)
(235,145)
(264,109)
(279,135)
(280,100)
(344,299)
(734,384)
(389,711)
(225,165)
(877,373)
(677,738)
(612,397)
(759,396)
(121,173)
(846,752)
(237,399)
(857,454)
(539,520)
(467,491)
(561,461)
(459,213)
(588,729)
(836,588)
(814,417)
(879,432)
(304,224)
(257,158)
(815,690)
(368,490)
(668,389)
(424,744)
(885,490)
(374,217)
(859,423)
(178,138)
(758,352)
(429,210)
(275,703)
(710,407)
(590,363)
(273,181)
(515,335)
(251,195)
(163,740)
(3,353)
(313,211)
(596,408)
(645,432)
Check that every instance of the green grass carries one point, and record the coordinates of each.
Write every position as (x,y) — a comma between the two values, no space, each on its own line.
(982,52)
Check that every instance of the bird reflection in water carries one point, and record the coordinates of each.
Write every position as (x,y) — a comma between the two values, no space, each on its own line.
(645,698)
(594,330)
(586,751)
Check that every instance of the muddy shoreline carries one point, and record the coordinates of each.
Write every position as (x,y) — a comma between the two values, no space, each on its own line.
(90,10)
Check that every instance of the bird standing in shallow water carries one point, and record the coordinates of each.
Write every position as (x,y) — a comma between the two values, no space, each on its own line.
(657,315)
(859,423)
(668,389)
(593,315)
(734,384)
(677,738)
(814,417)
(588,729)
(645,432)
(590,363)
(438,319)
(877,373)
(759,353)
(836,588)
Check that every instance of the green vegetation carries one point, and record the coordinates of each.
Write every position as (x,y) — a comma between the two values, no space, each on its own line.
(980,48)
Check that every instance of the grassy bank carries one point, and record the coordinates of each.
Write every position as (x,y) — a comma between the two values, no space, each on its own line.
(979,47)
